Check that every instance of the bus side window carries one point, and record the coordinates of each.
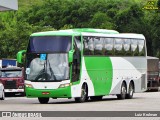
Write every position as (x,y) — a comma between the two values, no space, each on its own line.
(134,47)
(88,46)
(85,48)
(78,42)
(98,45)
(127,47)
(118,46)
(141,47)
(108,46)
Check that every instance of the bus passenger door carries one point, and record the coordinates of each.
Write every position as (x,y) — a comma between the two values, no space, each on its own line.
(76,60)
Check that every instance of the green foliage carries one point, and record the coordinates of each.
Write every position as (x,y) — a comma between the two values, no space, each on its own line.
(101,20)
(43,15)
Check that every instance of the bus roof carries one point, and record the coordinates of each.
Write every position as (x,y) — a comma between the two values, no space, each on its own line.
(92,30)
(76,31)
(56,33)
(121,35)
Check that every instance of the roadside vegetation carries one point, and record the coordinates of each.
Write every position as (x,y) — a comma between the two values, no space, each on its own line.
(42,15)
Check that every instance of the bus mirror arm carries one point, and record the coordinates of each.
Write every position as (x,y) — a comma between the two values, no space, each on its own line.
(20,56)
(70,56)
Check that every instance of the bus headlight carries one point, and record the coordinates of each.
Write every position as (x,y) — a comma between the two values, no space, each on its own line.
(65,85)
(28,85)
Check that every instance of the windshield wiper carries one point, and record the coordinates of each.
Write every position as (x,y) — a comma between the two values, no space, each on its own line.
(52,73)
(42,74)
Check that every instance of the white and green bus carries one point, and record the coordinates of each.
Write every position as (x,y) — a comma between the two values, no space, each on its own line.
(84,64)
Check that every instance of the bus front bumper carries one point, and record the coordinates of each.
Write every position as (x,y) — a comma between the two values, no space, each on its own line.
(52,93)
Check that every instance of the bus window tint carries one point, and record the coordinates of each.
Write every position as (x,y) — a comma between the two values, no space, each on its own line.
(127,47)
(78,42)
(108,46)
(134,47)
(76,60)
(39,44)
(141,47)
(86,49)
(98,45)
(88,46)
(118,46)
(91,46)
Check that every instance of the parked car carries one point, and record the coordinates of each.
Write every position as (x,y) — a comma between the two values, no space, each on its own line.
(2,95)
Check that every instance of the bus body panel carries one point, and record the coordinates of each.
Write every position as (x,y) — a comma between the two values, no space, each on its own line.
(100,71)
(38,88)
(109,80)
(127,69)
(52,93)
(103,74)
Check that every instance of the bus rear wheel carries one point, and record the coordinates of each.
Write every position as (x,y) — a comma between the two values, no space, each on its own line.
(123,92)
(84,95)
(130,92)
(43,100)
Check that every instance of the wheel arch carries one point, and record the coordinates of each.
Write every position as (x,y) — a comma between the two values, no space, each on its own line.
(124,81)
(85,83)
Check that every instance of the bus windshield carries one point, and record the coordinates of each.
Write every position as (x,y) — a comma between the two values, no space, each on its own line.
(47,67)
(45,44)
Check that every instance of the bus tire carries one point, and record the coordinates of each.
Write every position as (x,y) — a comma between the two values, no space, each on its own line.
(123,92)
(131,91)
(96,98)
(84,95)
(43,100)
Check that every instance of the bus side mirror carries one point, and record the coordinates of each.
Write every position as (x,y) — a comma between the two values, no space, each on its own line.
(70,56)
(20,56)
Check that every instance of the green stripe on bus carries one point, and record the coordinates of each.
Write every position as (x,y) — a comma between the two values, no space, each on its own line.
(100,72)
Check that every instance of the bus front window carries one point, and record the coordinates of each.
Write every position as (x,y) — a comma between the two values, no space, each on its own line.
(49,44)
(53,68)
(47,58)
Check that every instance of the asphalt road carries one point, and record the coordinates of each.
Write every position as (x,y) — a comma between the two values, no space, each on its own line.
(148,101)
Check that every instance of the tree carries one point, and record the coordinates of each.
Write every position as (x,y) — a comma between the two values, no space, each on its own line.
(42,15)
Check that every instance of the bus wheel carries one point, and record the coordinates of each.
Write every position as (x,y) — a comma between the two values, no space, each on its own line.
(95,98)
(84,95)
(123,93)
(131,91)
(43,100)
